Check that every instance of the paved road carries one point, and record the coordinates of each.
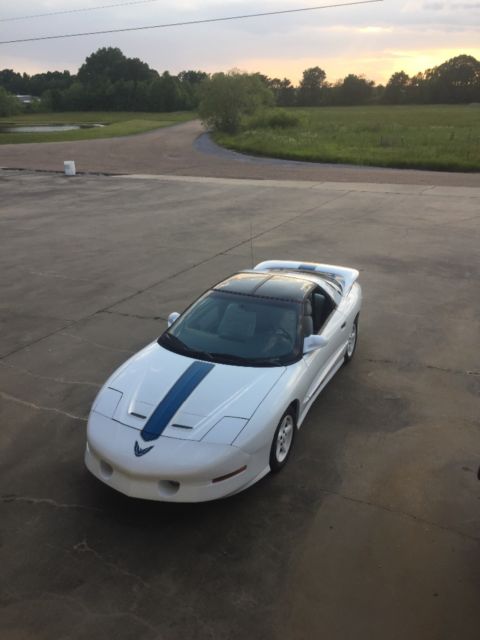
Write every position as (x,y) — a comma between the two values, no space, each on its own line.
(175,150)
(373,529)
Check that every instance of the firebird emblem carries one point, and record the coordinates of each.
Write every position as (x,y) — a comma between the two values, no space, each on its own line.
(139,451)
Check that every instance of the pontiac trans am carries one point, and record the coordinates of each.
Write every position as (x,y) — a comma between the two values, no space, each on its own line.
(215,403)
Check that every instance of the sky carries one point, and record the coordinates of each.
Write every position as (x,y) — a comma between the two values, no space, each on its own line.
(372,39)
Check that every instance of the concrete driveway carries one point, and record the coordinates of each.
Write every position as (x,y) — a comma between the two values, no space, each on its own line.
(372,531)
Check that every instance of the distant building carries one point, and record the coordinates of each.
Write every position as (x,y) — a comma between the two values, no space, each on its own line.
(24,99)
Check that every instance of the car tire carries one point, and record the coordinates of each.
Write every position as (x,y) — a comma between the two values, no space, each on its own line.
(352,342)
(282,443)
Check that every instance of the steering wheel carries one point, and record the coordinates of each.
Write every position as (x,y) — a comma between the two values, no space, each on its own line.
(282,333)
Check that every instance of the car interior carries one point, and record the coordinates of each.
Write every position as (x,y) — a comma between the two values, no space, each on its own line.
(317,310)
(252,327)
(245,327)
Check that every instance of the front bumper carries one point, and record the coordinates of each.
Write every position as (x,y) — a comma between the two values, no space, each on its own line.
(173,470)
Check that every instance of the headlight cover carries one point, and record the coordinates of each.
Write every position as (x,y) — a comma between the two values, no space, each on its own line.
(225,431)
(107,402)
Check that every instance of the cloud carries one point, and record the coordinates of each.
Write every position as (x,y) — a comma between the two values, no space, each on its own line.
(454,6)
(356,39)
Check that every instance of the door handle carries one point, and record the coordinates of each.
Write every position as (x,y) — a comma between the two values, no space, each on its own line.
(343,325)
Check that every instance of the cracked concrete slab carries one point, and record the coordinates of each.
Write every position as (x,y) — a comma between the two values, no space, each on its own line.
(431,580)
(371,531)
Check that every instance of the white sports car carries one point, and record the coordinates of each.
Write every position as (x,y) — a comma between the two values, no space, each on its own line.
(214,404)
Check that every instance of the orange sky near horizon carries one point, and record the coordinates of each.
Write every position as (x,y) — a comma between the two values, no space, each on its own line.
(368,64)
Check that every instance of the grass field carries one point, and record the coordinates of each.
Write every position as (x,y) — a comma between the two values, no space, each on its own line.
(116,124)
(423,137)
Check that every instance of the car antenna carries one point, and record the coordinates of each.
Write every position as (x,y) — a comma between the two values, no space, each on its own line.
(251,243)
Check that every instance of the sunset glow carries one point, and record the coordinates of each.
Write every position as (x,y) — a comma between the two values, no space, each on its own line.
(374,40)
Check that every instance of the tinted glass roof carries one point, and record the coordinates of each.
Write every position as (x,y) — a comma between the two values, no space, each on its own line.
(267,285)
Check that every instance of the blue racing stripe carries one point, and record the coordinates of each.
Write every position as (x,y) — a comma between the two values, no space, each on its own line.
(171,403)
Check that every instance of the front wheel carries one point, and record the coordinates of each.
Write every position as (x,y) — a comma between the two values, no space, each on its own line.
(282,442)
(352,342)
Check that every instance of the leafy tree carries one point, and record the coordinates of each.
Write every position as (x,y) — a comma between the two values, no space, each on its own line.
(192,77)
(189,84)
(53,80)
(155,99)
(171,92)
(355,90)
(396,91)
(378,93)
(417,89)
(310,91)
(75,98)
(109,64)
(8,103)
(13,82)
(456,80)
(226,97)
(284,92)
(165,94)
(53,100)
(138,71)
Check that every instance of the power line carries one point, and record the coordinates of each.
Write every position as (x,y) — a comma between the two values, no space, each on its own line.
(59,13)
(190,22)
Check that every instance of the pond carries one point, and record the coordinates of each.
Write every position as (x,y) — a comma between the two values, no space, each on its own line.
(46,128)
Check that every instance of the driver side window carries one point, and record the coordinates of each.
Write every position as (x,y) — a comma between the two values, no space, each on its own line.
(322,307)
(308,318)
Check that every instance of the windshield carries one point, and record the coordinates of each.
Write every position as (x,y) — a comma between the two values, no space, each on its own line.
(237,329)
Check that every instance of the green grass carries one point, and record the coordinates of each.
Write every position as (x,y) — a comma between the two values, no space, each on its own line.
(117,124)
(443,138)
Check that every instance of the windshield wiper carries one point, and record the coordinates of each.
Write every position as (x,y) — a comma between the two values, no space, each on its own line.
(230,358)
(177,344)
(183,348)
(224,358)
(227,358)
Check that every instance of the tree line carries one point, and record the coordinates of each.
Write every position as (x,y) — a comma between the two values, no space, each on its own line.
(455,81)
(110,81)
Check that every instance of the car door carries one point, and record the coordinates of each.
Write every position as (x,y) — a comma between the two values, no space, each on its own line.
(322,363)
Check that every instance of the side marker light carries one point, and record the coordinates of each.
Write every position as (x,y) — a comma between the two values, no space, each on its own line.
(229,475)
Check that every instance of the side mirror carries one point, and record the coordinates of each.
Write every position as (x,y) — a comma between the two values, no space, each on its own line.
(172,317)
(314,342)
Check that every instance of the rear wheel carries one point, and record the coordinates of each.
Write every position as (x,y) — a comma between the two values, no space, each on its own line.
(352,341)
(282,442)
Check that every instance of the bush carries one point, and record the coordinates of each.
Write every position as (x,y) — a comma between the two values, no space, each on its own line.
(277,119)
(8,103)
(227,97)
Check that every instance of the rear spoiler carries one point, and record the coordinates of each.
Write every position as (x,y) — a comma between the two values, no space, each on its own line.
(343,276)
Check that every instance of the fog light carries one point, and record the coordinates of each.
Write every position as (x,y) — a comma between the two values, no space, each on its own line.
(105,469)
(168,487)
(229,475)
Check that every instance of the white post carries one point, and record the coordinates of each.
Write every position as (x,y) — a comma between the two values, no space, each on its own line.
(69,167)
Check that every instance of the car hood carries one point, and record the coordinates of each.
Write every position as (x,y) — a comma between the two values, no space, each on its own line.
(220,390)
